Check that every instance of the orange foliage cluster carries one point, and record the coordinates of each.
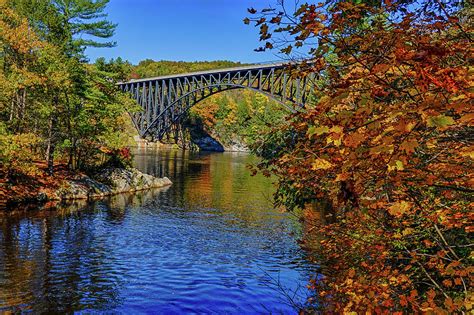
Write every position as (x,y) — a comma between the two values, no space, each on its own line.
(207,111)
(389,143)
(24,188)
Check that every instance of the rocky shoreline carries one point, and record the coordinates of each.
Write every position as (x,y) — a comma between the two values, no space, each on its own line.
(110,181)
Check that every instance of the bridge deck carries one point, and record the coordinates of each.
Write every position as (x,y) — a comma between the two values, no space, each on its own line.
(207,72)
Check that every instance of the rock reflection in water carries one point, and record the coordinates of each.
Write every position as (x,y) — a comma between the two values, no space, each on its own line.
(53,261)
(210,243)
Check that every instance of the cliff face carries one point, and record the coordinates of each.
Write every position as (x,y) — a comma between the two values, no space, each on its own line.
(213,141)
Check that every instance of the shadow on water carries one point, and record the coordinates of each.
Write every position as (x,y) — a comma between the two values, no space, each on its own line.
(212,242)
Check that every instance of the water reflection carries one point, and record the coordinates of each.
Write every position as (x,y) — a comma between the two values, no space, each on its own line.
(209,243)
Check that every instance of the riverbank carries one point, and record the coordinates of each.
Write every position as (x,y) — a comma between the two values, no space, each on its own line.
(66,185)
(205,143)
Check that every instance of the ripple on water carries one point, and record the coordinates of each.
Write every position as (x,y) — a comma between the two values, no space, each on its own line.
(211,243)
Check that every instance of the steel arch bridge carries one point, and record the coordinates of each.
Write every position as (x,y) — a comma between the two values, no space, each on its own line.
(166,100)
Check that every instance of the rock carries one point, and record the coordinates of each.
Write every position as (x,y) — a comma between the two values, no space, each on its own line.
(110,181)
(207,143)
(236,146)
(123,180)
(73,190)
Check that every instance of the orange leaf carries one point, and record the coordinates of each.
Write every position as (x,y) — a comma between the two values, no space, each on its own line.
(353,140)
(399,208)
(409,146)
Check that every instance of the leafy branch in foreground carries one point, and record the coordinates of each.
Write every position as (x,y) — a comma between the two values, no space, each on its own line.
(389,143)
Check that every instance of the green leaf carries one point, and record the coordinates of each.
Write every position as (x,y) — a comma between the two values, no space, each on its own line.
(317,131)
(440,121)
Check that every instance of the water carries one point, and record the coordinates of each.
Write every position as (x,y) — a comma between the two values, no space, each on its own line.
(211,243)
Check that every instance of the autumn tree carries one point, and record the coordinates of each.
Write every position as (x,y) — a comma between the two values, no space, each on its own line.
(388,141)
(73,108)
(30,65)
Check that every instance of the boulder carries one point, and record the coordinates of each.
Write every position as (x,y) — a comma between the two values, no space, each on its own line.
(124,180)
(110,181)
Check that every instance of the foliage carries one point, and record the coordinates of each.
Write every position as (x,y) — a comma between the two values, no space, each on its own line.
(121,158)
(150,68)
(389,143)
(17,152)
(49,90)
(241,116)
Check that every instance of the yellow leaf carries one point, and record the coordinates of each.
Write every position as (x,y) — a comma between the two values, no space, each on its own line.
(397,236)
(337,129)
(399,208)
(407,231)
(337,141)
(469,154)
(321,164)
(409,126)
(431,144)
(397,165)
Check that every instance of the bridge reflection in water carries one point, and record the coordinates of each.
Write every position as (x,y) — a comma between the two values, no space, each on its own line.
(210,243)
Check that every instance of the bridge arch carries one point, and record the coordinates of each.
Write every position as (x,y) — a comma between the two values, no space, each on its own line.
(165,100)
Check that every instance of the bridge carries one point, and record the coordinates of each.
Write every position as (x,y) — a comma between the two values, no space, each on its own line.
(166,100)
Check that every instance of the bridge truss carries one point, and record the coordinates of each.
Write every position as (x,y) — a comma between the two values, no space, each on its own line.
(166,100)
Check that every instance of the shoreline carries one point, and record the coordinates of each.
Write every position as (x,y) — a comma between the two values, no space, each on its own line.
(66,186)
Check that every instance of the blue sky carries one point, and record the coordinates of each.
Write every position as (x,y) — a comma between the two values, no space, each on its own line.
(187,30)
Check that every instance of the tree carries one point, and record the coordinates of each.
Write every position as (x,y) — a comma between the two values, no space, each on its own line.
(387,142)
(50,90)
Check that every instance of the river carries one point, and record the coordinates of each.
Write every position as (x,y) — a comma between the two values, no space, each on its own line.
(210,243)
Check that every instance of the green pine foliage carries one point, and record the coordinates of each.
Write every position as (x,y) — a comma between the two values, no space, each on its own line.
(53,104)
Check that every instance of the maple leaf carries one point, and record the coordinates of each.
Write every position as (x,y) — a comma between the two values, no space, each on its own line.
(409,146)
(317,131)
(287,50)
(468,118)
(321,164)
(440,121)
(396,165)
(399,208)
(252,10)
(353,140)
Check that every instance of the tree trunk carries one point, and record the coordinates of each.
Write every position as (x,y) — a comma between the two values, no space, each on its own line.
(72,163)
(12,110)
(72,149)
(51,138)
(51,145)
(21,109)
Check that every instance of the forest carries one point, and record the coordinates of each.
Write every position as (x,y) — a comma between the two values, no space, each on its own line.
(384,149)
